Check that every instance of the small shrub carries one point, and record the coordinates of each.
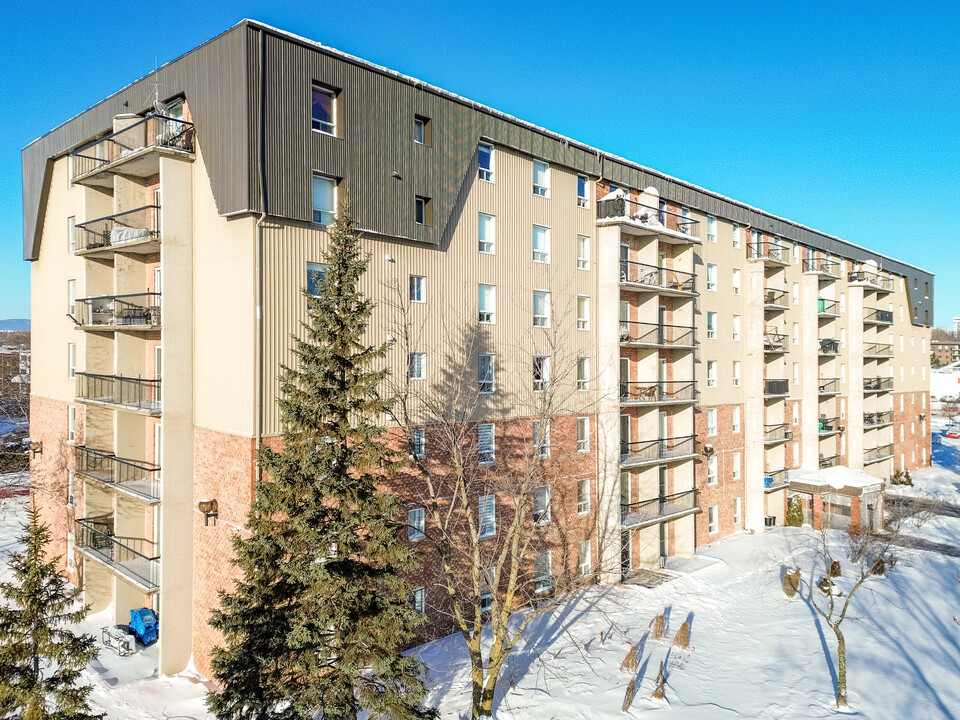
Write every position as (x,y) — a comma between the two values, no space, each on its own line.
(791,583)
(630,694)
(901,477)
(794,511)
(661,684)
(835,569)
(682,638)
(658,628)
(630,661)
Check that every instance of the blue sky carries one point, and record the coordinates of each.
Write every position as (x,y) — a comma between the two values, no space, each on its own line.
(844,118)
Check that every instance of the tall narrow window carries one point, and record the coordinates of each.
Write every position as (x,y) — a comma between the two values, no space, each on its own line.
(486,449)
(713,525)
(486,373)
(583,373)
(71,360)
(418,442)
(541,505)
(583,496)
(796,333)
(541,308)
(71,488)
(423,210)
(418,289)
(541,437)
(711,326)
(324,200)
(315,275)
(711,421)
(416,523)
(71,424)
(711,229)
(541,244)
(487,303)
(485,162)
(711,373)
(487,515)
(737,510)
(796,373)
(543,578)
(736,373)
(324,110)
(736,327)
(712,474)
(735,420)
(417,366)
(541,179)
(736,466)
(736,235)
(711,277)
(583,312)
(71,234)
(583,434)
(583,557)
(487,232)
(72,297)
(541,373)
(736,281)
(796,293)
(418,599)
(583,252)
(583,187)
(421,130)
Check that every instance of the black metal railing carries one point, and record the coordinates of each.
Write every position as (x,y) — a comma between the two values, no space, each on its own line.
(825,306)
(829,386)
(774,341)
(829,346)
(881,281)
(656,277)
(661,391)
(828,426)
(828,461)
(878,350)
(136,309)
(654,218)
(128,392)
(131,226)
(768,251)
(133,557)
(136,477)
(877,453)
(644,333)
(774,478)
(877,384)
(658,509)
(654,450)
(822,266)
(876,419)
(777,433)
(877,316)
(777,386)
(152,131)
(775,298)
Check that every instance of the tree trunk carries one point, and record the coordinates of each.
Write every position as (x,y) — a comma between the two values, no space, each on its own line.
(841,667)
(476,704)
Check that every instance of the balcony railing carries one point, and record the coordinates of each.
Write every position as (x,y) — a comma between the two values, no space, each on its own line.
(126,392)
(829,386)
(829,346)
(878,453)
(828,461)
(649,217)
(133,226)
(880,281)
(774,341)
(768,252)
(878,350)
(828,308)
(644,451)
(777,433)
(153,131)
(775,299)
(108,311)
(659,509)
(877,419)
(775,479)
(659,278)
(876,316)
(134,558)
(877,384)
(822,266)
(776,387)
(644,333)
(828,426)
(663,391)
(130,476)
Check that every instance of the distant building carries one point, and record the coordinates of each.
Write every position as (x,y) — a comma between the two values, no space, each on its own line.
(14,372)
(956,324)
(945,351)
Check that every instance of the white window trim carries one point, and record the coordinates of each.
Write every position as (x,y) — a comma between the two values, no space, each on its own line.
(416,531)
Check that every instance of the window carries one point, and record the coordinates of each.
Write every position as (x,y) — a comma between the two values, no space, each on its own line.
(796,454)
(583,434)
(736,373)
(843,373)
(541,244)
(796,254)
(417,366)
(71,424)
(485,443)
(843,337)
(711,277)
(487,515)
(423,210)
(843,302)
(421,130)
(796,333)
(71,546)
(736,466)
(416,523)
(712,421)
(418,443)
(736,235)
(901,343)
(796,293)
(485,162)
(583,496)
(541,437)
(71,483)
(541,505)
(712,470)
(711,373)
(487,232)
(737,510)
(71,360)
(543,580)
(736,327)
(796,413)
(711,229)
(736,281)
(583,373)
(72,297)
(541,308)
(583,312)
(711,326)
(315,275)
(324,110)
(541,373)
(324,200)
(796,373)
(583,252)
(735,420)
(843,408)
(487,303)
(712,524)
(583,187)
(541,179)
(71,234)
(418,288)
(418,599)
(486,373)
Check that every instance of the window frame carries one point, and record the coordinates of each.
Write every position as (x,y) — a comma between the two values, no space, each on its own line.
(711,225)
(712,424)
(316,87)
(712,381)
(418,288)
(422,122)
(736,470)
(583,373)
(418,599)
(542,576)
(313,286)
(711,277)
(486,174)
(583,498)
(421,367)
(541,437)
(416,529)
(541,189)
(486,316)
(323,214)
(486,454)
(486,234)
(713,520)
(418,443)
(487,505)
(541,321)
(583,201)
(488,385)
(583,252)
(584,561)
(541,254)
(72,424)
(540,510)
(583,434)
(541,373)
(423,211)
(711,325)
(713,470)
(71,361)
(583,320)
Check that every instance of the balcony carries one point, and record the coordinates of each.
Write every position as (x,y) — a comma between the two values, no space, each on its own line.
(774,342)
(822,267)
(664,281)
(133,231)
(776,388)
(134,150)
(108,313)
(877,281)
(828,308)
(829,347)
(877,419)
(827,427)
(669,227)
(877,454)
(133,558)
(125,393)
(133,477)
(773,434)
(775,299)
(649,452)
(662,392)
(877,350)
(658,510)
(877,384)
(828,461)
(874,316)
(645,334)
(829,386)
(774,480)
(771,255)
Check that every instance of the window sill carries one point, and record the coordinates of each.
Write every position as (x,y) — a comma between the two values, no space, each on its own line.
(325,133)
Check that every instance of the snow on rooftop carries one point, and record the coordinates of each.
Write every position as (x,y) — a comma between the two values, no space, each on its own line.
(838,477)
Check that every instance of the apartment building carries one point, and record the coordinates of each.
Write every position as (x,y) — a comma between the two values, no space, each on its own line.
(945,352)
(705,348)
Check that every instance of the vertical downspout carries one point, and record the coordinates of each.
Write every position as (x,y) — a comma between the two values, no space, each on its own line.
(261,162)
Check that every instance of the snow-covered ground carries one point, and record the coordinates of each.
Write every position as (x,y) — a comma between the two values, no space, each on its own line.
(754,653)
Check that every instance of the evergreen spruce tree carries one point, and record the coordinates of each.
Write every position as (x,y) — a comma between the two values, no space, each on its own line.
(316,621)
(40,657)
